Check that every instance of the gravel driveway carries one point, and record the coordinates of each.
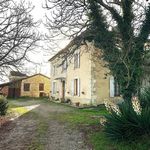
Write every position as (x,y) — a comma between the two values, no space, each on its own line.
(39,130)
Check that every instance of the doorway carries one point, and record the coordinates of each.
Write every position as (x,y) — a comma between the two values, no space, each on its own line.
(63,89)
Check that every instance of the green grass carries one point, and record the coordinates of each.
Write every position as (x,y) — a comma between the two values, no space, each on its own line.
(38,143)
(82,117)
(18,106)
(19,110)
(86,120)
(101,142)
(13,103)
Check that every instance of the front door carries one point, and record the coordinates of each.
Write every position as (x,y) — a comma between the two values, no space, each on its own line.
(63,89)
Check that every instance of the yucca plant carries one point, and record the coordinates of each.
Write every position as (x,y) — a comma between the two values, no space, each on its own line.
(127,124)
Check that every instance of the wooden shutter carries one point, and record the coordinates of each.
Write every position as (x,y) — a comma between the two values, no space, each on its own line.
(72,87)
(112,88)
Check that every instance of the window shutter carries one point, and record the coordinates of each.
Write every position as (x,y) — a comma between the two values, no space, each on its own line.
(78,87)
(112,88)
(72,87)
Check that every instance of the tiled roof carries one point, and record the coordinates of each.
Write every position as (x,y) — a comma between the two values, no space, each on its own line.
(17,73)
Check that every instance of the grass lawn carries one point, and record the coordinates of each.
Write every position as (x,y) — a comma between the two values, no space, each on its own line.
(17,107)
(88,121)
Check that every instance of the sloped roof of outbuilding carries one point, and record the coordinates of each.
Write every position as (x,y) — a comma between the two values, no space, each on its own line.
(15,81)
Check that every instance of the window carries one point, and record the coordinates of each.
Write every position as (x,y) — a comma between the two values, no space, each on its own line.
(116,88)
(54,87)
(64,66)
(77,60)
(53,70)
(26,86)
(41,87)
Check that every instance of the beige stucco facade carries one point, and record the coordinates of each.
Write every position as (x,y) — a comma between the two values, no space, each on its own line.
(93,83)
(34,82)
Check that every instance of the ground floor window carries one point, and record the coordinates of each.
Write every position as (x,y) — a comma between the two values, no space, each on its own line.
(54,87)
(41,87)
(76,87)
(114,87)
(26,87)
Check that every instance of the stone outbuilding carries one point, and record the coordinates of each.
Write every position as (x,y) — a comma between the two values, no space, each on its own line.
(37,85)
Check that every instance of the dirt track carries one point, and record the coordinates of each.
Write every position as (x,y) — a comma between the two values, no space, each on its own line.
(39,130)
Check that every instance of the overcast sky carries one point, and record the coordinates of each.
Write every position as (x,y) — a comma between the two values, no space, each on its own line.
(42,56)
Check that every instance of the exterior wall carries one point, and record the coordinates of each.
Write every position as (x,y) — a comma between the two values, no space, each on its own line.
(11,90)
(4,90)
(57,78)
(101,82)
(14,89)
(34,86)
(83,74)
(94,84)
(101,90)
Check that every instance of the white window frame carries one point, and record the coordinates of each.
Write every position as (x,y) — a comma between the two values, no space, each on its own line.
(73,87)
(54,70)
(77,53)
(54,91)
(64,66)
(111,87)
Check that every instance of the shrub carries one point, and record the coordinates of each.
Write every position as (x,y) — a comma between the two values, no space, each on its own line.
(3,106)
(127,124)
(145,97)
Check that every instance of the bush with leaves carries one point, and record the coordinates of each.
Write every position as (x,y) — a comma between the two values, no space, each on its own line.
(129,123)
(145,97)
(3,106)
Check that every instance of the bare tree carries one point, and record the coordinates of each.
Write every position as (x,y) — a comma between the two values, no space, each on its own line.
(18,34)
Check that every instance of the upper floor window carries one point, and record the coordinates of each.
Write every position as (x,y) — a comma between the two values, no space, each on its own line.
(41,87)
(53,70)
(116,88)
(64,66)
(26,87)
(77,60)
